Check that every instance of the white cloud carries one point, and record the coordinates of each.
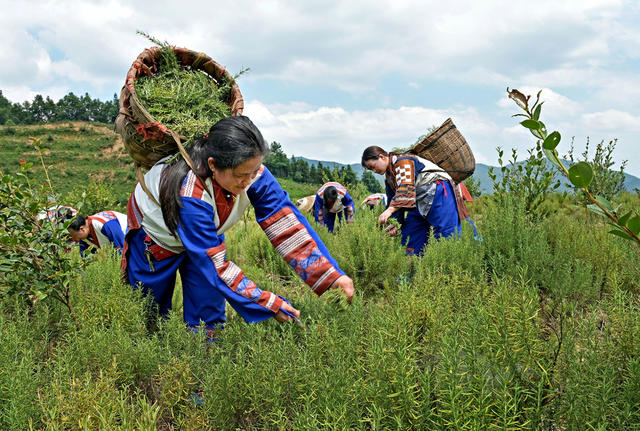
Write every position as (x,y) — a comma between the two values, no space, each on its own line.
(611,120)
(371,57)
(336,134)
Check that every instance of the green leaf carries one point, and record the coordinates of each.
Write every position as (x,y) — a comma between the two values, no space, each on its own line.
(552,157)
(552,141)
(621,234)
(605,203)
(634,225)
(581,174)
(536,112)
(596,209)
(623,220)
(540,133)
(530,124)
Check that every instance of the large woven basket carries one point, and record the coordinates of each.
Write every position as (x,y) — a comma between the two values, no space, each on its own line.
(447,148)
(147,140)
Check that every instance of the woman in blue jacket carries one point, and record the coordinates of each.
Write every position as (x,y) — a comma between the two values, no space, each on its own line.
(198,205)
(333,199)
(420,195)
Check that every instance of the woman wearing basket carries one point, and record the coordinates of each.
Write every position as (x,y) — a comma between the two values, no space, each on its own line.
(419,194)
(186,233)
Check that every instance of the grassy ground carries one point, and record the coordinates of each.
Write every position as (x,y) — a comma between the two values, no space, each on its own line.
(535,327)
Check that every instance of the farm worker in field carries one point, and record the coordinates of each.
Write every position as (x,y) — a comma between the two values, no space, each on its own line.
(374,200)
(198,205)
(58,213)
(104,229)
(332,199)
(421,196)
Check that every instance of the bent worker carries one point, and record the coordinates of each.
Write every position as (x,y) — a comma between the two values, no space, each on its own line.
(374,200)
(58,213)
(104,229)
(420,195)
(198,205)
(333,199)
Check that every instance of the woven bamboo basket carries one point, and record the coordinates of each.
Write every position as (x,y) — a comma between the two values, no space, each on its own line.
(447,148)
(147,140)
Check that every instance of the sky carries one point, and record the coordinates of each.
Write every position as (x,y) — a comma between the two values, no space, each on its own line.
(328,78)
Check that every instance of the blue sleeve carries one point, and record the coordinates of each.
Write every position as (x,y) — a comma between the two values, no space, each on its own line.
(291,234)
(349,208)
(113,231)
(317,209)
(389,192)
(207,250)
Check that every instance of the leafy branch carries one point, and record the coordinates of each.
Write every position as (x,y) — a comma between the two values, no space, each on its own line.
(580,174)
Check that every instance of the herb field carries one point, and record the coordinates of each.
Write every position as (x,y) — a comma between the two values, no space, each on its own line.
(537,326)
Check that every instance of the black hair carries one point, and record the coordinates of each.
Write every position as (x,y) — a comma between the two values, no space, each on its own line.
(77,223)
(372,153)
(231,141)
(63,214)
(329,196)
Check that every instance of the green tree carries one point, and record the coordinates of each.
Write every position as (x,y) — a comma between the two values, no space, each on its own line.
(313,175)
(350,176)
(70,108)
(277,161)
(5,109)
(370,182)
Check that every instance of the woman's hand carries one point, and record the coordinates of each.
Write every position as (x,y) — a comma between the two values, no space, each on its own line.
(385,215)
(282,317)
(346,284)
(392,230)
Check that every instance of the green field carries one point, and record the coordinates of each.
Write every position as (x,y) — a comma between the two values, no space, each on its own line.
(537,326)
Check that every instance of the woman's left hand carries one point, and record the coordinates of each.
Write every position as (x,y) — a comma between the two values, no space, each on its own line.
(282,317)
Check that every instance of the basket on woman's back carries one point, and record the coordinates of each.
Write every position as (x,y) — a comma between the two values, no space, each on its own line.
(146,139)
(447,148)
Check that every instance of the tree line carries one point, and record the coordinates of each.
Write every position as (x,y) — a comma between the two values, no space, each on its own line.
(300,171)
(68,108)
(84,108)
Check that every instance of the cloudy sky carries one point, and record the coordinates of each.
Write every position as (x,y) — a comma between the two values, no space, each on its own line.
(328,78)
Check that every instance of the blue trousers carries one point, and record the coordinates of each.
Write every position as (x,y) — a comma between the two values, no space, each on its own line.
(442,218)
(330,219)
(199,302)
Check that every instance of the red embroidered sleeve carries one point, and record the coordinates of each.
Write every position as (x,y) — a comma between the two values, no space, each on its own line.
(294,243)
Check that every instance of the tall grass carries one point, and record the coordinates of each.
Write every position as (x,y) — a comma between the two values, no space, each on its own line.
(536,327)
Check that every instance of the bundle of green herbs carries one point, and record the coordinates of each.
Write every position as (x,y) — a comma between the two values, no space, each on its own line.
(186,100)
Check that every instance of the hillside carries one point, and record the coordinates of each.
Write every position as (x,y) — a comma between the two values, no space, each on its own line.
(81,152)
(76,153)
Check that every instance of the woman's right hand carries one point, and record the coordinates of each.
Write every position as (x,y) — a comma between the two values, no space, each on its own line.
(346,284)
(391,230)
(283,317)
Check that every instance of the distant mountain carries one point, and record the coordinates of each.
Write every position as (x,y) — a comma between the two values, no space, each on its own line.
(481,174)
